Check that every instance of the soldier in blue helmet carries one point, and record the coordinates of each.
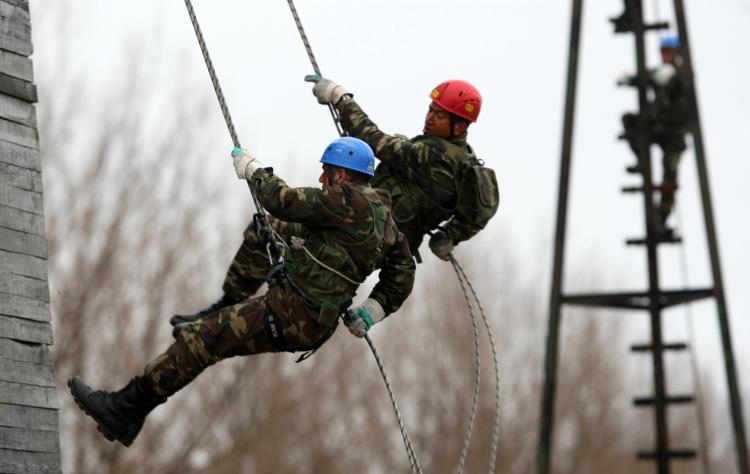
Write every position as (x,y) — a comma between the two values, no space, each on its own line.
(669,121)
(337,236)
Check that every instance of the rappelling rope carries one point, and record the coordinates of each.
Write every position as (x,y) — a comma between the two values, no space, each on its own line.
(690,326)
(415,467)
(311,55)
(477,371)
(496,421)
(228,119)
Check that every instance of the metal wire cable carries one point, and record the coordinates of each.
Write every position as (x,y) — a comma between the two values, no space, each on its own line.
(496,420)
(225,113)
(477,371)
(415,467)
(690,324)
(316,69)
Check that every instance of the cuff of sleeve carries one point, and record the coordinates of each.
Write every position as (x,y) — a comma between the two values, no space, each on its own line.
(375,309)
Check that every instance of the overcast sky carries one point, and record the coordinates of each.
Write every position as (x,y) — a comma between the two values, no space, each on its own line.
(391,53)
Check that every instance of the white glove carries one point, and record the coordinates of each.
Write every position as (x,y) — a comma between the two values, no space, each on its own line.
(328,92)
(441,245)
(245,164)
(360,319)
(623,79)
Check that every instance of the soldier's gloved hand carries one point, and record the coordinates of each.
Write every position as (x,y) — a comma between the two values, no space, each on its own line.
(327,91)
(360,319)
(441,245)
(245,164)
(623,79)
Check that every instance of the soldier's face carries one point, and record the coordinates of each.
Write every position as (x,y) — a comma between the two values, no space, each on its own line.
(437,122)
(668,55)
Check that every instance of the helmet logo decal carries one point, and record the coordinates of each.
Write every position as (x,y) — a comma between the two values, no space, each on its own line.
(469,107)
(435,94)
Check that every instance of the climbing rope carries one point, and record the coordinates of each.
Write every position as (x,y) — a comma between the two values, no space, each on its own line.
(415,467)
(316,69)
(690,326)
(477,371)
(230,125)
(462,277)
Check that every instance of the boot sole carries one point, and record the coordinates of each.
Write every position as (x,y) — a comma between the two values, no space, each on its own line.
(109,435)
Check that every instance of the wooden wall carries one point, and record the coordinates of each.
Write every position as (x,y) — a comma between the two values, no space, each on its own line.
(29,440)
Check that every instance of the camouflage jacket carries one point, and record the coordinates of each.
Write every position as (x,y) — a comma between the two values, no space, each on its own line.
(347,227)
(421,174)
(669,103)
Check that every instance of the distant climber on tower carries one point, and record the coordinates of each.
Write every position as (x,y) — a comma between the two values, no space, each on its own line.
(337,236)
(436,183)
(669,120)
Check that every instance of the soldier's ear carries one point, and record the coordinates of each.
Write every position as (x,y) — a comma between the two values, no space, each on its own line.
(460,127)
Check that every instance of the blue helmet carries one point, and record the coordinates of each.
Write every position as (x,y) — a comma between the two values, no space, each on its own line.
(350,153)
(670,42)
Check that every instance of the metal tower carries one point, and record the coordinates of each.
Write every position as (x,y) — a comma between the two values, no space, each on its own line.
(653,299)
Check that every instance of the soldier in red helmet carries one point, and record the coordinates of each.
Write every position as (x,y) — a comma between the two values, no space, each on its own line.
(436,182)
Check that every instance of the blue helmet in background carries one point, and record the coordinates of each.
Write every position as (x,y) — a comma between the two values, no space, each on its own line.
(670,42)
(350,153)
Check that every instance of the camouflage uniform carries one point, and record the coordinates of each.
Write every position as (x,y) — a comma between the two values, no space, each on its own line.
(422,176)
(348,227)
(668,122)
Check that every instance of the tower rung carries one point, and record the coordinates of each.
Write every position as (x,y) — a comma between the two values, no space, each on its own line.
(674,453)
(673,240)
(676,399)
(656,26)
(678,346)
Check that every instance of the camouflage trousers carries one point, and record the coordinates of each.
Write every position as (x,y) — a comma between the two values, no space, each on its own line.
(248,270)
(236,330)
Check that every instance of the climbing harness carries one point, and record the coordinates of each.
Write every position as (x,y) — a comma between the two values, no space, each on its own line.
(463,279)
(263,219)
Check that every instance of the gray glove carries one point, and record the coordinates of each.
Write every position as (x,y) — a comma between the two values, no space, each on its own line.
(441,245)
(245,164)
(360,319)
(328,92)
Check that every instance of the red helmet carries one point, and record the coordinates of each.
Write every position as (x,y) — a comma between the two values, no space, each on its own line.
(459,98)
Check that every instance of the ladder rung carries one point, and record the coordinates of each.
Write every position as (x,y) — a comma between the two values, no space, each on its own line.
(673,240)
(632,189)
(678,346)
(657,26)
(674,453)
(675,399)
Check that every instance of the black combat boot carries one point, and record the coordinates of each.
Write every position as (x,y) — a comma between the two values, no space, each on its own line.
(191,318)
(118,415)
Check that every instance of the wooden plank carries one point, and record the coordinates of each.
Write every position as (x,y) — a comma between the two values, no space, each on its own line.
(21,242)
(15,35)
(19,134)
(25,352)
(22,199)
(25,330)
(16,10)
(30,418)
(28,395)
(18,88)
(20,264)
(24,308)
(19,177)
(25,462)
(24,286)
(17,110)
(23,221)
(29,440)
(20,156)
(16,65)
(27,373)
